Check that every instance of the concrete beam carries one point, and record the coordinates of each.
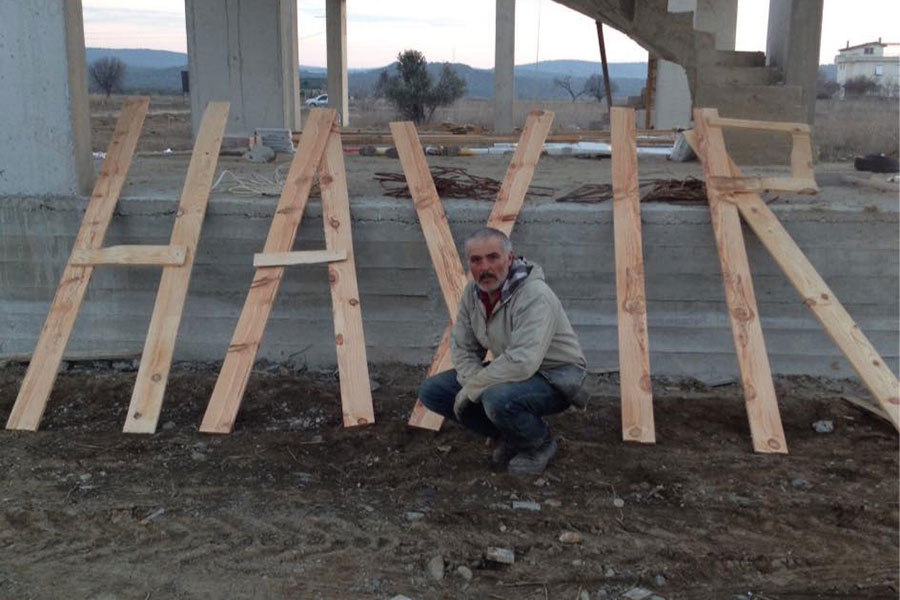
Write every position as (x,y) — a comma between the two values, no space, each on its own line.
(45,144)
(336,36)
(244,51)
(718,17)
(504,66)
(792,44)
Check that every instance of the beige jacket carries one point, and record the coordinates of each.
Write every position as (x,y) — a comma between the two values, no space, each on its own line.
(527,332)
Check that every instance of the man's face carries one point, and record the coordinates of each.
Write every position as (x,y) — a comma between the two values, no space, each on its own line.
(488,263)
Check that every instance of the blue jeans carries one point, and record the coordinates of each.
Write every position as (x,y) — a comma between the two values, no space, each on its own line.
(510,411)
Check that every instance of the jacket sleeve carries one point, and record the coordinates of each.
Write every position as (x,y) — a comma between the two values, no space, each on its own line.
(466,353)
(533,326)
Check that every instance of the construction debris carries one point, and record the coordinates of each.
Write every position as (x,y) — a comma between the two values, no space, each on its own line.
(675,191)
(453,182)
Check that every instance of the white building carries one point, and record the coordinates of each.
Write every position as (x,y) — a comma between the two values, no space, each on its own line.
(877,61)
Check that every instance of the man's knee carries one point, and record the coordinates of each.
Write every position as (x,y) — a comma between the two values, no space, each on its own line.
(497,402)
(436,394)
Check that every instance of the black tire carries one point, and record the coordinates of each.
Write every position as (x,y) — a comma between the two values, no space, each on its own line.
(877,163)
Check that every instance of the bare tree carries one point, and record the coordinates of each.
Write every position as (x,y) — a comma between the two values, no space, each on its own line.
(565,82)
(108,73)
(594,87)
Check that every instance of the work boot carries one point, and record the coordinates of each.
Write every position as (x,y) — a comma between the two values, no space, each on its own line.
(503,453)
(533,462)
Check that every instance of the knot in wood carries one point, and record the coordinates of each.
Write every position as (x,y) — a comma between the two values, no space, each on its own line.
(334,222)
(634,306)
(332,276)
(742,313)
(339,339)
(353,302)
(156,377)
(136,415)
(894,400)
(325,179)
(635,432)
(749,391)
(773,444)
(362,421)
(646,384)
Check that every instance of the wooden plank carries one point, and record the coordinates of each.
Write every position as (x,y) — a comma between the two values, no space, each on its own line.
(130,255)
(819,298)
(801,157)
(156,360)
(503,216)
(518,176)
(232,381)
(765,184)
(867,405)
(41,374)
(634,345)
(304,257)
(759,125)
(438,239)
(353,370)
(756,376)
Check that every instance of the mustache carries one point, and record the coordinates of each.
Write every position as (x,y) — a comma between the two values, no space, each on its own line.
(487,276)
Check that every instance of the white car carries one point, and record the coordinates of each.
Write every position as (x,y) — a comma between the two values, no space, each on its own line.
(320,100)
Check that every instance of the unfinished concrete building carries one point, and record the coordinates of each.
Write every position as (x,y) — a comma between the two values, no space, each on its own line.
(246,52)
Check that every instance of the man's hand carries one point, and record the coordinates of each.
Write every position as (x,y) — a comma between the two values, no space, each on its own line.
(461,403)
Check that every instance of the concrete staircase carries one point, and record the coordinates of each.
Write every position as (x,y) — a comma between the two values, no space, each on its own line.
(737,83)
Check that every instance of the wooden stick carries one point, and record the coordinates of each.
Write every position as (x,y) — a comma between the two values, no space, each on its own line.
(756,376)
(503,216)
(232,381)
(41,374)
(759,125)
(307,257)
(153,373)
(818,297)
(157,256)
(353,370)
(634,353)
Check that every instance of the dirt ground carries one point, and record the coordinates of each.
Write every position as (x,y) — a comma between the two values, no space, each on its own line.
(291,505)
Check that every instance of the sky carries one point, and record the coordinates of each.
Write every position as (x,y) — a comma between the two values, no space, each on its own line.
(463,30)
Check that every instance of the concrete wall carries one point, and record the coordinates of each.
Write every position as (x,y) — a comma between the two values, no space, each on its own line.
(672,104)
(792,44)
(244,51)
(855,250)
(45,135)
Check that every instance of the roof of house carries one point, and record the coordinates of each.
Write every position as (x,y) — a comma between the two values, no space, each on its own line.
(878,43)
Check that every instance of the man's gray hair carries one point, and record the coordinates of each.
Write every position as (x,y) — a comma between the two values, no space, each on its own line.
(489,233)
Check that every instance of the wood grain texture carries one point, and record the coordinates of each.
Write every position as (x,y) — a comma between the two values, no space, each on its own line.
(634,344)
(350,343)
(819,298)
(778,126)
(232,381)
(759,392)
(503,216)
(518,176)
(300,257)
(765,184)
(156,256)
(156,360)
(41,374)
(438,238)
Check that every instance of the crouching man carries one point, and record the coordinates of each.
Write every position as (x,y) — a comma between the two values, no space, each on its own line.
(537,368)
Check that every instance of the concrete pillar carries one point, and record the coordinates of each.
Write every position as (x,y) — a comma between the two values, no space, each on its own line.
(718,17)
(336,35)
(792,44)
(45,128)
(504,66)
(244,51)
(672,104)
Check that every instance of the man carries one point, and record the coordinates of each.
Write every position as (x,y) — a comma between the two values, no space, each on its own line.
(537,367)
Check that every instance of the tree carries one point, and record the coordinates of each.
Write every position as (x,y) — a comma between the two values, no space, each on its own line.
(107,73)
(412,91)
(565,82)
(859,86)
(593,87)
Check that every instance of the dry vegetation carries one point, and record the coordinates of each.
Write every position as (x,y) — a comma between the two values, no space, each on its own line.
(846,128)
